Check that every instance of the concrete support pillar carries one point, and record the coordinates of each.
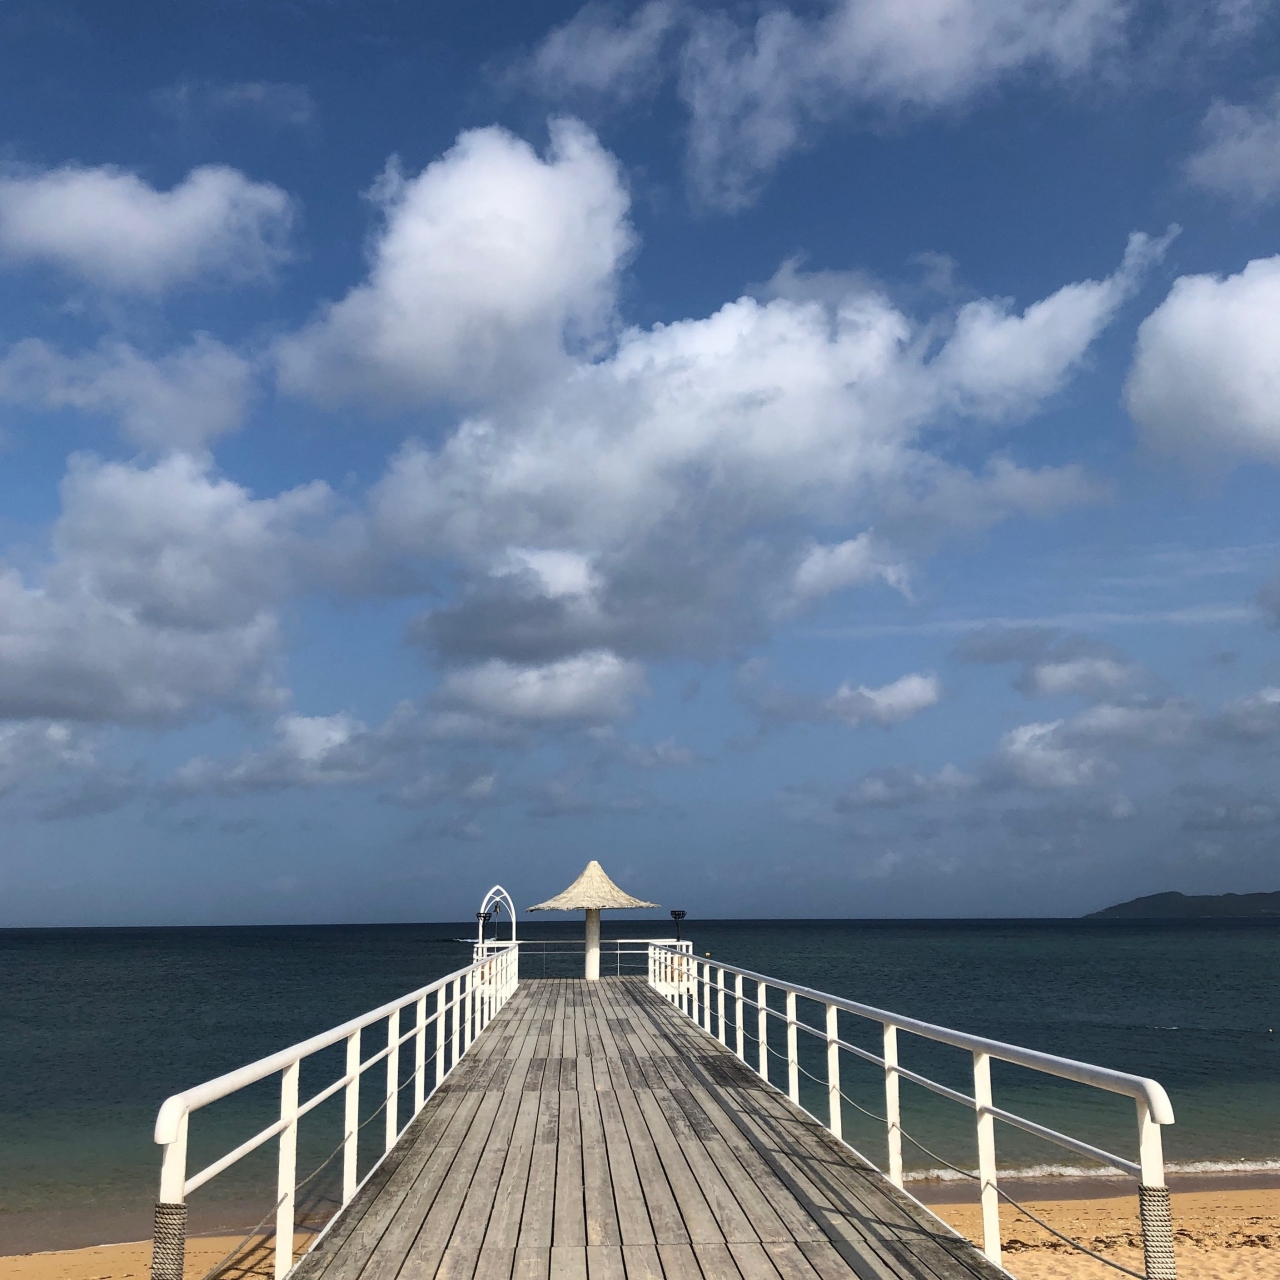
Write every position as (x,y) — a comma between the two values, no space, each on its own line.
(593,945)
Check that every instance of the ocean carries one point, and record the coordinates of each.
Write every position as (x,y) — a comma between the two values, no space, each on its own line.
(100,1025)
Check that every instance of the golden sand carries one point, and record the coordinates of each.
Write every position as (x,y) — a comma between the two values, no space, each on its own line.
(1226,1234)
(133,1261)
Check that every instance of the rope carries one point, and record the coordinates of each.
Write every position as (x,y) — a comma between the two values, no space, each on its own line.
(169,1237)
(1157,1232)
(1004,1195)
(1021,1208)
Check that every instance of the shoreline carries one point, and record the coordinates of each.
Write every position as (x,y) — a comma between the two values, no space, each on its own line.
(1225,1226)
(42,1231)
(1046,1190)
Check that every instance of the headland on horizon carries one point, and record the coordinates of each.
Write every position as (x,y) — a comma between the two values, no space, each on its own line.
(1181,906)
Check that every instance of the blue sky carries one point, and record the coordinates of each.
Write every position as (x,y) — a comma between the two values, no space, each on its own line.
(819,460)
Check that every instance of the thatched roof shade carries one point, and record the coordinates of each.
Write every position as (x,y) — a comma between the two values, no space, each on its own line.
(591,891)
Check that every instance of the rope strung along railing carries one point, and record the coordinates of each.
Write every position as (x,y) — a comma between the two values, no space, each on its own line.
(462,1004)
(964,1173)
(253,1231)
(702,990)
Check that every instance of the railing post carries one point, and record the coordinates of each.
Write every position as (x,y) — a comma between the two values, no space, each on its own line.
(440,1013)
(457,1020)
(723,1035)
(835,1122)
(987,1157)
(169,1227)
(469,1026)
(892,1108)
(793,1051)
(742,1031)
(393,1077)
(351,1118)
(287,1171)
(420,1057)
(1153,1200)
(762,1027)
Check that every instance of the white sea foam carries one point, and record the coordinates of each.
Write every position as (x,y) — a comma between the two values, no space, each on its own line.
(1038,1171)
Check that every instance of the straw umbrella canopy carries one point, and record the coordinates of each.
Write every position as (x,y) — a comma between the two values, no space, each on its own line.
(592,892)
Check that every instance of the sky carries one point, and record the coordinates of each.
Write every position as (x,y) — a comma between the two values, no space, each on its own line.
(818,459)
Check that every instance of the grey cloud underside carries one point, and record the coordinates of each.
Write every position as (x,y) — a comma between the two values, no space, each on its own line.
(1217,807)
(1052,662)
(1100,770)
(668,598)
(161,601)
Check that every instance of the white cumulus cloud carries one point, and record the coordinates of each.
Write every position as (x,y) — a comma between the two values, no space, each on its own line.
(1205,380)
(1087,674)
(1038,756)
(1000,364)
(490,262)
(589,686)
(890,704)
(648,478)
(851,563)
(110,227)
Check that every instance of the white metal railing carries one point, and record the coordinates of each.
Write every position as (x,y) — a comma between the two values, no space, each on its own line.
(714,996)
(462,1003)
(618,956)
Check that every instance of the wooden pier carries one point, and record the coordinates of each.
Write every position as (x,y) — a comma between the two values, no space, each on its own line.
(592,1132)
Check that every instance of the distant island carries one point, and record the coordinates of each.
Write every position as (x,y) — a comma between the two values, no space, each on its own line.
(1172,906)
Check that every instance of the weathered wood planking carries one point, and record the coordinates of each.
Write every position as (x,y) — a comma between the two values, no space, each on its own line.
(594,1133)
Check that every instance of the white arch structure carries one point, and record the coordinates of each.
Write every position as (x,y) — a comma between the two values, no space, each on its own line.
(497,897)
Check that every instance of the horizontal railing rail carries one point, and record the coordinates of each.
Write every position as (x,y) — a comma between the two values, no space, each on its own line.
(618,956)
(714,996)
(461,1004)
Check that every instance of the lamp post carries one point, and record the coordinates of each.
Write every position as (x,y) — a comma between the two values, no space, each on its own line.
(482,919)
(677,916)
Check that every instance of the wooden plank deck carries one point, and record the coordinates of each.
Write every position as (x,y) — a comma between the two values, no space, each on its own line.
(594,1133)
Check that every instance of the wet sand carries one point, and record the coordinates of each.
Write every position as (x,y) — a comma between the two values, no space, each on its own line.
(1227,1232)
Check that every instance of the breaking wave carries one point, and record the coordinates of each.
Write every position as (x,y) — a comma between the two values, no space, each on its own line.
(1038,1171)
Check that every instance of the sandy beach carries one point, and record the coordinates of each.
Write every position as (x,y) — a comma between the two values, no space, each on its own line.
(1227,1233)
(1220,1234)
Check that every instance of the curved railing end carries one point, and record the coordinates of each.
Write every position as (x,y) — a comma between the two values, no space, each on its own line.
(1158,1102)
(169,1120)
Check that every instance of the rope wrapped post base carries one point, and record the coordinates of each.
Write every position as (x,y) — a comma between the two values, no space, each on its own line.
(169,1242)
(1157,1232)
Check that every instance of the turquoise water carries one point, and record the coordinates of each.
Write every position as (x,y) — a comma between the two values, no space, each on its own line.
(100,1025)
